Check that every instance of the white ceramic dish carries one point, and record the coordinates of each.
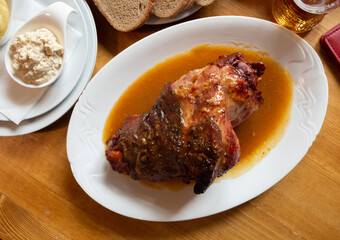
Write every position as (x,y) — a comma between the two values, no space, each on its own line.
(154,20)
(119,193)
(84,74)
(54,18)
(72,71)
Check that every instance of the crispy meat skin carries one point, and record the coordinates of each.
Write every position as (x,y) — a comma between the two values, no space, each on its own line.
(188,134)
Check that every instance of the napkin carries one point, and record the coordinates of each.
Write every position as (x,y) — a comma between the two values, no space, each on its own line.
(330,41)
(16,101)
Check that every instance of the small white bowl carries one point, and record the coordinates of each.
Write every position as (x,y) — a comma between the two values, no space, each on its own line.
(8,33)
(54,18)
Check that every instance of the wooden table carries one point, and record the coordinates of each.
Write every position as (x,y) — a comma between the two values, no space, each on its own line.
(41,200)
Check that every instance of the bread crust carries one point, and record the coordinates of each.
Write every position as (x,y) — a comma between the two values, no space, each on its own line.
(125,15)
(168,8)
(188,4)
(204,3)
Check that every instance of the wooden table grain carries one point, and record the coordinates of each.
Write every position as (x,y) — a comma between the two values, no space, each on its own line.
(40,199)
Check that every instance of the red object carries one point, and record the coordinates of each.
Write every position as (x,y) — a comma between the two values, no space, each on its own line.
(331,42)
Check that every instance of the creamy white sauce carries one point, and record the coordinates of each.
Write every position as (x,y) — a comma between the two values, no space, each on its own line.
(36,56)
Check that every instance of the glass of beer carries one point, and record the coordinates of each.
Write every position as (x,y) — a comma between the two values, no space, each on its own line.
(302,15)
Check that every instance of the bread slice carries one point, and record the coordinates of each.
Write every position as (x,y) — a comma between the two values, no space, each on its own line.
(204,3)
(168,8)
(125,15)
(188,4)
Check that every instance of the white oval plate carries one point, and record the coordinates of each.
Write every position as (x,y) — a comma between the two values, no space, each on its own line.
(58,91)
(8,128)
(154,20)
(119,193)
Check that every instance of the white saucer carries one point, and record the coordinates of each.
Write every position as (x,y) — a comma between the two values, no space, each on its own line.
(72,71)
(83,75)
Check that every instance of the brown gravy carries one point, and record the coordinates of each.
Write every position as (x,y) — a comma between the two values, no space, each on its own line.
(257,135)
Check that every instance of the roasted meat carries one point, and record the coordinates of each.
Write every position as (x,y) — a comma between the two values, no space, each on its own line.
(188,134)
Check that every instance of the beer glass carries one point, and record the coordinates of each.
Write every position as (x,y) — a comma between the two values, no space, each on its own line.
(302,15)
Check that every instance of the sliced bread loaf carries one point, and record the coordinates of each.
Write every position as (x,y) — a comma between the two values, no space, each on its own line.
(168,8)
(204,3)
(188,4)
(125,15)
